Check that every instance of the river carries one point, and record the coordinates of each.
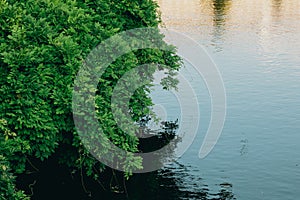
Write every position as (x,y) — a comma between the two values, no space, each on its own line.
(256,47)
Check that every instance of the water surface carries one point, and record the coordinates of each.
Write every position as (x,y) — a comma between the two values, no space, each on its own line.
(256,46)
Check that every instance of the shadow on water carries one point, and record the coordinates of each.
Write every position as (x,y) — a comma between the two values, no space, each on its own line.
(49,180)
(56,182)
(175,182)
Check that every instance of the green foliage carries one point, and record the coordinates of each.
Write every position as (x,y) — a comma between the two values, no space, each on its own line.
(42,46)
(10,146)
(7,186)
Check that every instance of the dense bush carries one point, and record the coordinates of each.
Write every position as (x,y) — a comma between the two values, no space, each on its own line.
(42,46)
(11,149)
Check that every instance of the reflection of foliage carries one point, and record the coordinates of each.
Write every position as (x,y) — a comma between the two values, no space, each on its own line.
(42,46)
(175,182)
(159,138)
(221,7)
(226,195)
(220,11)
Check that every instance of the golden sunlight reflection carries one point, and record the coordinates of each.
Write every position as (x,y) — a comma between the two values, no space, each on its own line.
(220,23)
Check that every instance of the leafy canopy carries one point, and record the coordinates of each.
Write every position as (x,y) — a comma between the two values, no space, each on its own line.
(42,45)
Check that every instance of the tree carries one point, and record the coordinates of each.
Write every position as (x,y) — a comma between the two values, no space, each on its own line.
(42,46)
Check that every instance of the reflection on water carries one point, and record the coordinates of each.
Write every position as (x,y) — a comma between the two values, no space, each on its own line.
(276,7)
(220,10)
(54,182)
(211,19)
(256,46)
(169,184)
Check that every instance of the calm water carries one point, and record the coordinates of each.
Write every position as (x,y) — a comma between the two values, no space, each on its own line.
(256,46)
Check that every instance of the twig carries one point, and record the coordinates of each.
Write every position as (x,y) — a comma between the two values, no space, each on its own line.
(35,168)
(31,187)
(82,183)
(125,189)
